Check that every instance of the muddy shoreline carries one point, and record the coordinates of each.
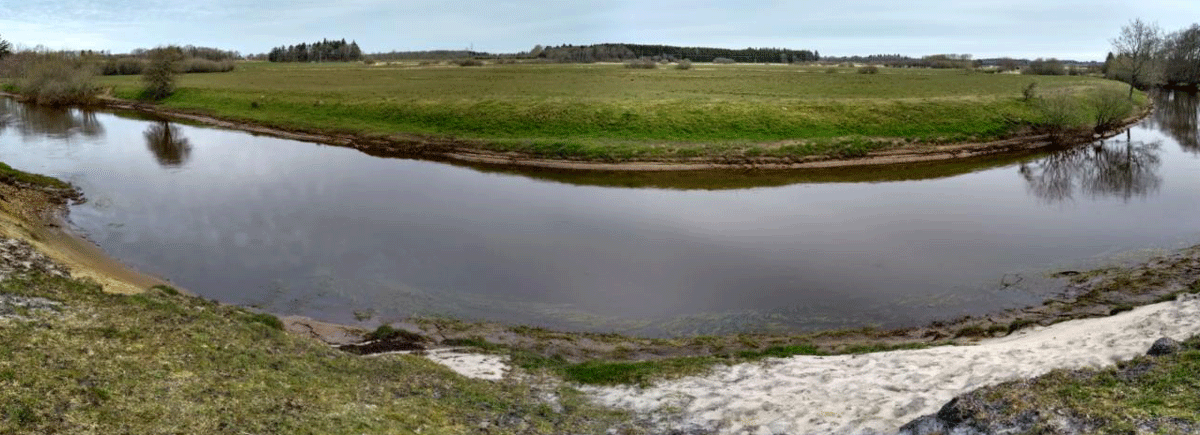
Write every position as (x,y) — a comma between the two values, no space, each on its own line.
(474,151)
(1085,294)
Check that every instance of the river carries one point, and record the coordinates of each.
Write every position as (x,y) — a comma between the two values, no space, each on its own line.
(331,233)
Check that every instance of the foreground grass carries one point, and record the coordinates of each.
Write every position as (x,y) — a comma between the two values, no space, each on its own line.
(607,112)
(1143,395)
(162,362)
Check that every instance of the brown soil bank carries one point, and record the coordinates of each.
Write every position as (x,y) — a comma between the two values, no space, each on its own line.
(438,148)
(35,214)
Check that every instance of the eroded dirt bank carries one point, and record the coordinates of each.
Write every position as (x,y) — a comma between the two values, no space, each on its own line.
(36,215)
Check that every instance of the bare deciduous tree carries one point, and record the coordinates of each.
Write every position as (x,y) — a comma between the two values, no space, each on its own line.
(1181,57)
(1138,44)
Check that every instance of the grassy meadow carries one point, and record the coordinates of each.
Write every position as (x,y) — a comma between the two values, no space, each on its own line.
(609,112)
(162,362)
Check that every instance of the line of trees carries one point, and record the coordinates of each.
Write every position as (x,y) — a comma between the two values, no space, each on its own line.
(429,55)
(323,51)
(193,59)
(1144,56)
(624,52)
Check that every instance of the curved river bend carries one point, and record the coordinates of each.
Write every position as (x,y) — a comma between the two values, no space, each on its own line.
(338,235)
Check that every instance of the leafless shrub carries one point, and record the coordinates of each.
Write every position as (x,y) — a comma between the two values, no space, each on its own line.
(52,78)
(198,65)
(1059,115)
(1030,92)
(1111,107)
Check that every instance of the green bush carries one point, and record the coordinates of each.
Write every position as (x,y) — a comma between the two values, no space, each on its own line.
(723,60)
(159,76)
(387,332)
(684,64)
(869,69)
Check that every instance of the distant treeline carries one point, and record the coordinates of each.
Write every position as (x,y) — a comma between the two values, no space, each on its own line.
(430,55)
(324,51)
(962,61)
(623,52)
(191,51)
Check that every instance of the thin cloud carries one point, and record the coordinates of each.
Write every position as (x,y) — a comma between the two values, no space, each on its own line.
(985,28)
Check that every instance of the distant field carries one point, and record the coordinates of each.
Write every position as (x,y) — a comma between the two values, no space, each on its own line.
(606,111)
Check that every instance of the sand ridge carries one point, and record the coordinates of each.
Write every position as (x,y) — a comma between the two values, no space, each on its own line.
(877,393)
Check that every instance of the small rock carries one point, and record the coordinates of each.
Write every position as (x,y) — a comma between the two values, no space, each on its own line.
(1164,346)
(927,425)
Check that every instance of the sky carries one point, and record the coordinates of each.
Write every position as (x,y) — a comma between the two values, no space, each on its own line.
(1066,29)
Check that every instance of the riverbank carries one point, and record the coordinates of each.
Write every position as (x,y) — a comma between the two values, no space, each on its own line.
(600,359)
(711,118)
(87,348)
(33,208)
(482,152)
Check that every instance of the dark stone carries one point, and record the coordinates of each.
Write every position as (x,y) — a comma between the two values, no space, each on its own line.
(1164,346)
(927,425)
(951,414)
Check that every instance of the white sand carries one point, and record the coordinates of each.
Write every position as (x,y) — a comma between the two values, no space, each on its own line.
(877,393)
(471,365)
(468,364)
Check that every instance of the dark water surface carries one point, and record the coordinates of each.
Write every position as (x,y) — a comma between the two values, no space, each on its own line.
(323,231)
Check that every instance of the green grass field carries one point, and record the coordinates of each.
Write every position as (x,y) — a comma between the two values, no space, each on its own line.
(162,362)
(606,111)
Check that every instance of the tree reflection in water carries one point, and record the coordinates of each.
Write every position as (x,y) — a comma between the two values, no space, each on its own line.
(1178,115)
(1115,169)
(168,144)
(32,120)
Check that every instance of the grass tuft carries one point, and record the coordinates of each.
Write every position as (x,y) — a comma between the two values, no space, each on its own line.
(10,176)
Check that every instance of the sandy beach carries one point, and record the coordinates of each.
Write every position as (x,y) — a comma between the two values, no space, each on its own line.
(877,393)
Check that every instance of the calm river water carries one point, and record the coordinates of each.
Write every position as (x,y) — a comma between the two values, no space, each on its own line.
(328,232)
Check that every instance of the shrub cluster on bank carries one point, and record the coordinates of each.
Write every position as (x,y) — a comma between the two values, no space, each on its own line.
(136,66)
(1061,115)
(51,78)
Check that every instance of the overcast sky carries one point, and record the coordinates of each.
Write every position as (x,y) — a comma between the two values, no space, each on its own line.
(1069,29)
